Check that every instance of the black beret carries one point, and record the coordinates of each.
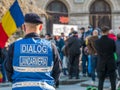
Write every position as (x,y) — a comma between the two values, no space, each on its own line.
(33,18)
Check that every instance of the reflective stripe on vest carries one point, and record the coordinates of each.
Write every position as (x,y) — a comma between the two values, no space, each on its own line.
(33,84)
(31,69)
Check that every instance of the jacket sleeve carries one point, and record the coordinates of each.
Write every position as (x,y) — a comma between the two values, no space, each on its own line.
(8,63)
(57,67)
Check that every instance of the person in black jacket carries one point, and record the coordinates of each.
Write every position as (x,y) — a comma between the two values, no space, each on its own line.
(106,64)
(73,45)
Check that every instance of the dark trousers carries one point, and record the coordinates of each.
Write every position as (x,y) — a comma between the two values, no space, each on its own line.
(3,72)
(102,76)
(118,70)
(74,65)
(84,64)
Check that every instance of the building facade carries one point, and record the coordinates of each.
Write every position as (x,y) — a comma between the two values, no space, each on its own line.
(82,13)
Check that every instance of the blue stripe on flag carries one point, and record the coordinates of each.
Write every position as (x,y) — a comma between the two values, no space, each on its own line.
(17,14)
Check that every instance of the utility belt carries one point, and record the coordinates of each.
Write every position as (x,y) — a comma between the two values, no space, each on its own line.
(33,84)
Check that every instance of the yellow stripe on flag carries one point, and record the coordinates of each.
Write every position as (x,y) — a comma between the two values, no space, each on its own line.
(1,76)
(9,24)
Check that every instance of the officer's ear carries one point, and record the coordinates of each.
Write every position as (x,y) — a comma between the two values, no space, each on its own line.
(41,26)
(24,27)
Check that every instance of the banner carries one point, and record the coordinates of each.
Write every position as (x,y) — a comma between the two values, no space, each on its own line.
(61,28)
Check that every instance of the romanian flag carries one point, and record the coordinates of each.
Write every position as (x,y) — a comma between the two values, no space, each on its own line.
(10,22)
(1,77)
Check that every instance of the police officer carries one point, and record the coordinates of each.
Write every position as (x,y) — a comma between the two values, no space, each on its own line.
(32,63)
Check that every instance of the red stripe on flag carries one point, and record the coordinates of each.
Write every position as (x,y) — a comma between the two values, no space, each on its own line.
(3,37)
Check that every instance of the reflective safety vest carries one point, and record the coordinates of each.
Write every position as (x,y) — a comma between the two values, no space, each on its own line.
(32,65)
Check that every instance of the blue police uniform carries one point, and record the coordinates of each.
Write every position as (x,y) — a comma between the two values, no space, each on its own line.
(32,65)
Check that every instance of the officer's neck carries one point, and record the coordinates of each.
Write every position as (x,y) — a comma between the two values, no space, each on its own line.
(32,31)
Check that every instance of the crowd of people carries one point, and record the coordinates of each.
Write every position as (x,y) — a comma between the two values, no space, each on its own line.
(97,49)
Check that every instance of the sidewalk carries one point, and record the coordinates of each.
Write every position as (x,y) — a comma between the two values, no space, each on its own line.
(89,83)
(7,84)
(83,82)
(64,80)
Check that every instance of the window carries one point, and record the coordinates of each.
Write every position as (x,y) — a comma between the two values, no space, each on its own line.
(100,14)
(55,10)
(57,7)
(100,6)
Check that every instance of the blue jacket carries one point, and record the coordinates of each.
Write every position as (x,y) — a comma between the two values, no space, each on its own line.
(33,64)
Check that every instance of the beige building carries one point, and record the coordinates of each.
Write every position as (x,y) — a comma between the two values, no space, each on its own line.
(82,12)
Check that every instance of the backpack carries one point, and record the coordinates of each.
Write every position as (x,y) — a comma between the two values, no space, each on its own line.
(86,51)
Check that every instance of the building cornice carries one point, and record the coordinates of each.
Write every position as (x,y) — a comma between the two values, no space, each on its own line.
(87,13)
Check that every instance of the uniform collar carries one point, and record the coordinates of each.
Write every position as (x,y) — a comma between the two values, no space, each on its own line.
(32,35)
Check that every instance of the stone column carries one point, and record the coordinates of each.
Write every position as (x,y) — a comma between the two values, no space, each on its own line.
(116,22)
(80,20)
(44,25)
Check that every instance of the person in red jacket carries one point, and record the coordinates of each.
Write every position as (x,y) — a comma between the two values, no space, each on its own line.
(112,35)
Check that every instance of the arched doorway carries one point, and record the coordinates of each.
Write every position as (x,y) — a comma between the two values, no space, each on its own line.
(100,14)
(55,10)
